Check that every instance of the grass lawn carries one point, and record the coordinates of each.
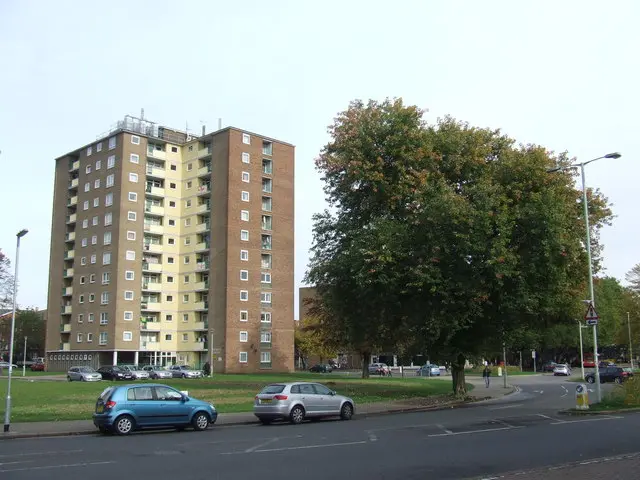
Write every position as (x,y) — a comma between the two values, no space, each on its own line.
(35,401)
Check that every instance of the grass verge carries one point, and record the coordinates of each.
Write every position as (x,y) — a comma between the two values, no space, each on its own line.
(40,401)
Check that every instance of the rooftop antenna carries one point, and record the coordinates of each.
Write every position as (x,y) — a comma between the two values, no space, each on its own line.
(142,114)
(219,123)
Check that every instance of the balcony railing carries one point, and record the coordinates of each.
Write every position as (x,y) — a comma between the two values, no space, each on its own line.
(199,286)
(65,328)
(154,210)
(68,272)
(65,347)
(203,227)
(204,189)
(156,172)
(66,291)
(70,237)
(71,218)
(152,267)
(73,183)
(202,266)
(74,166)
(152,247)
(151,306)
(203,207)
(65,310)
(72,201)
(154,191)
(69,254)
(204,152)
(203,246)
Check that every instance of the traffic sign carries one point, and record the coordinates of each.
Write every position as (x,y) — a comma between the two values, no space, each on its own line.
(591,316)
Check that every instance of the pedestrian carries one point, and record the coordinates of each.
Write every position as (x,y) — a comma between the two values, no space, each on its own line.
(486,374)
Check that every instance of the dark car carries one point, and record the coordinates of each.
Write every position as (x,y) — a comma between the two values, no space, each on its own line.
(321,368)
(609,374)
(548,366)
(114,373)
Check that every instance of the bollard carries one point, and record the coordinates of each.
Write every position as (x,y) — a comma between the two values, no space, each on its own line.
(499,371)
(582,397)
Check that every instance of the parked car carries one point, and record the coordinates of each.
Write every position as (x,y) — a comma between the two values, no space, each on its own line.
(379,369)
(300,400)
(37,367)
(185,371)
(83,374)
(157,371)
(137,372)
(321,368)
(114,373)
(125,408)
(4,365)
(609,374)
(589,363)
(548,366)
(561,369)
(428,370)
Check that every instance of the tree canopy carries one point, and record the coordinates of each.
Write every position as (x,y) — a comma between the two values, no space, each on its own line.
(6,282)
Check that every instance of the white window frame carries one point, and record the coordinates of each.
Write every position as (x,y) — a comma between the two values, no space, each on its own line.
(133,197)
(83,261)
(87,169)
(129,275)
(244,295)
(246,177)
(265,278)
(94,239)
(129,295)
(87,187)
(106,258)
(132,216)
(108,219)
(134,158)
(244,235)
(85,205)
(89,337)
(244,255)
(96,202)
(96,183)
(246,139)
(79,338)
(112,143)
(246,157)
(103,339)
(99,147)
(135,139)
(111,161)
(128,316)
(104,298)
(264,336)
(85,223)
(106,278)
(127,336)
(98,162)
(266,298)
(133,177)
(108,199)
(244,275)
(243,336)
(106,238)
(94,221)
(130,255)
(243,357)
(265,317)
(244,215)
(245,314)
(265,357)
(244,196)
(110,181)
(104,318)
(131,235)
(84,242)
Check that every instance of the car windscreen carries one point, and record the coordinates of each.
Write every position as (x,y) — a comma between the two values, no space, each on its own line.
(86,370)
(272,389)
(104,396)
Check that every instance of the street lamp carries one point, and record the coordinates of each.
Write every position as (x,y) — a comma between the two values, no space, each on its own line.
(7,411)
(630,351)
(580,327)
(586,222)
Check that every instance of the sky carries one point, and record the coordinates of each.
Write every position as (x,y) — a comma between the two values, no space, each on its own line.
(558,74)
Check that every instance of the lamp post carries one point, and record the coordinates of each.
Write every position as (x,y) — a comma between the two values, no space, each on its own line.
(585,206)
(7,411)
(580,327)
(630,351)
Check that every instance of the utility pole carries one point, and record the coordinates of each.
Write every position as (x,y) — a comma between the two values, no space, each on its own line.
(504,356)
(580,327)
(630,350)
(24,358)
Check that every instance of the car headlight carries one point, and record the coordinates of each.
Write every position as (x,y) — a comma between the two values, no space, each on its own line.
(212,407)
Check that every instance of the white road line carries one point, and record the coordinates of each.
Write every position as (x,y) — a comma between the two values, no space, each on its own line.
(566,392)
(48,467)
(473,431)
(64,452)
(562,422)
(503,423)
(14,463)
(301,447)
(441,427)
(373,437)
(260,445)
(545,416)
(506,406)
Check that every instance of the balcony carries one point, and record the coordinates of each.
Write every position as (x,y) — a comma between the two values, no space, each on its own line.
(202,247)
(204,171)
(203,208)
(155,172)
(67,291)
(71,219)
(73,201)
(198,346)
(201,306)
(155,229)
(65,328)
(69,255)
(150,326)
(70,237)
(152,286)
(152,152)
(65,310)
(149,346)
(74,166)
(152,247)
(152,267)
(204,152)
(154,210)
(202,266)
(201,326)
(73,183)
(65,347)
(151,307)
(204,190)
(201,286)
(154,191)
(203,227)
(68,272)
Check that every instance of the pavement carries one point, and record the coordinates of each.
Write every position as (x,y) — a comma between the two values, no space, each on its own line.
(86,427)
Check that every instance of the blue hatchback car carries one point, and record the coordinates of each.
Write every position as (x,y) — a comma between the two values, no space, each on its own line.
(124,408)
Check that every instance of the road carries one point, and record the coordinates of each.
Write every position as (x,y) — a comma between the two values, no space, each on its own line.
(519,433)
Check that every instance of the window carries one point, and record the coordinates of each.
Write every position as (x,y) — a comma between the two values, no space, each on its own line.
(189,167)
(92,297)
(266,204)
(80,318)
(127,337)
(106,258)
(103,338)
(246,138)
(172,223)
(133,177)
(185,317)
(186,279)
(135,139)
(108,199)
(266,242)
(244,275)
(92,278)
(267,185)
(131,215)
(104,298)
(169,318)
(106,240)
(246,177)
(243,357)
(187,222)
(128,316)
(244,255)
(82,280)
(133,197)
(81,299)
(265,277)
(172,204)
(98,162)
(265,317)
(130,255)
(129,275)
(91,318)
(169,279)
(96,202)
(265,357)
(265,260)
(94,240)
(98,149)
(188,204)
(89,337)
(110,179)
(267,166)
(131,235)
(265,297)
(244,316)
(265,337)
(168,337)
(104,318)
(246,158)
(94,220)
(185,298)
(79,338)
(244,235)
(87,169)
(185,337)
(266,222)
(92,259)
(169,298)
(245,196)
(112,143)
(134,158)
(189,184)
(171,241)
(244,295)
(244,215)
(174,149)
(108,219)
(85,205)
(187,240)
(111,161)
(84,242)
(174,168)
(172,186)
(267,148)
(187,260)
(128,295)
(169,259)
(96,183)
(244,336)
(106,278)
(83,261)
(85,223)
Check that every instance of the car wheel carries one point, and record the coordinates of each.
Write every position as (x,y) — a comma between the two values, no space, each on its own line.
(124,425)
(200,421)
(184,375)
(346,412)
(82,379)
(68,378)
(266,421)
(618,380)
(590,380)
(297,415)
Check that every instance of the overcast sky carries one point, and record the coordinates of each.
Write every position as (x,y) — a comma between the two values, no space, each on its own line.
(561,74)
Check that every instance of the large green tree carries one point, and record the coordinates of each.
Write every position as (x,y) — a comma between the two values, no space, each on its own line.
(6,282)
(633,277)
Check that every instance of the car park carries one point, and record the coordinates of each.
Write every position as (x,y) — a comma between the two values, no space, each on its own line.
(298,401)
(83,374)
(185,371)
(137,372)
(157,372)
(114,373)
(122,409)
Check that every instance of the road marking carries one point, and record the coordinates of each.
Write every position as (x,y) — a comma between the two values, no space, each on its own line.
(545,416)
(566,392)
(539,391)
(506,406)
(14,463)
(48,467)
(263,444)
(561,422)
(441,427)
(301,447)
(503,423)
(473,431)
(65,452)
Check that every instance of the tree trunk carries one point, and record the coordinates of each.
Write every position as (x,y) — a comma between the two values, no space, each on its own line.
(457,375)
(366,358)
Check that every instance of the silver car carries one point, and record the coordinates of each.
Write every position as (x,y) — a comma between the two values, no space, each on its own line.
(83,374)
(185,371)
(137,372)
(561,369)
(157,371)
(300,400)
